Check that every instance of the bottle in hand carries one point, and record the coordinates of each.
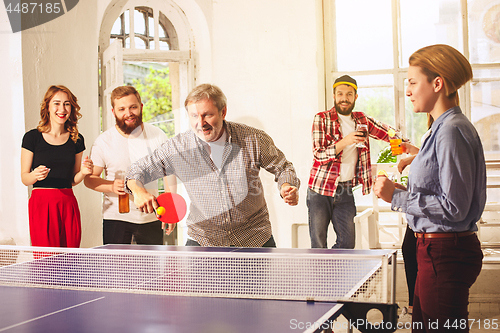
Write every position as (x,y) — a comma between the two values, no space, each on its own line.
(123,199)
(123,203)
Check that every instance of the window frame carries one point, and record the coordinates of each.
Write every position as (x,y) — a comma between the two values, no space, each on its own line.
(399,73)
(180,53)
(160,22)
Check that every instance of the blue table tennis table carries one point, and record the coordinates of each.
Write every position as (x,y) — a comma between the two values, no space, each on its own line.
(29,309)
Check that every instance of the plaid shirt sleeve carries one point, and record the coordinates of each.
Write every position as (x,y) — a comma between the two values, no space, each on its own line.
(378,130)
(323,142)
(151,167)
(273,160)
(326,163)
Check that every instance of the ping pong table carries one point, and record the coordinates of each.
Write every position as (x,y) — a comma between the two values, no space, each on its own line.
(47,308)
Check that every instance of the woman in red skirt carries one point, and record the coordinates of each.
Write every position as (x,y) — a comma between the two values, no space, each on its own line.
(51,161)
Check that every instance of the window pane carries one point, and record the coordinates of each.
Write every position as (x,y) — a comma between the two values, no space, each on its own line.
(416,123)
(139,23)
(117,27)
(162,32)
(376,99)
(164,46)
(139,43)
(364,35)
(484,31)
(151,23)
(126,16)
(152,81)
(127,43)
(485,113)
(428,22)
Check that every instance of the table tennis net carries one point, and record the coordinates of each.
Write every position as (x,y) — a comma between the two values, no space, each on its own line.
(288,276)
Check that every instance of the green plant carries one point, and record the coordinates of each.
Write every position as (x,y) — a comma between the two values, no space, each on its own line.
(156,94)
(385,156)
(404,180)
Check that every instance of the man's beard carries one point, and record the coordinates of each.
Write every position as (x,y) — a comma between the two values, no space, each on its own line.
(346,112)
(127,129)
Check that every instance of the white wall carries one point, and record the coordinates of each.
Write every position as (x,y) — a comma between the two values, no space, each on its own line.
(13,194)
(64,51)
(267,56)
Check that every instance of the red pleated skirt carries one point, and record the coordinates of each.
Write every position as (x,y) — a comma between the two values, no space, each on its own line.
(54,218)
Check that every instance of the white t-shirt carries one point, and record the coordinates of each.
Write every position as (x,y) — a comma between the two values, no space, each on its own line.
(350,153)
(425,136)
(114,153)
(216,149)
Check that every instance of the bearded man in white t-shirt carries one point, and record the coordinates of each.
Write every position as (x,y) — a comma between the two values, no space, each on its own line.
(113,152)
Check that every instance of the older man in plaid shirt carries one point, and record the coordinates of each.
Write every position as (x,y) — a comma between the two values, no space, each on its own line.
(339,165)
(218,162)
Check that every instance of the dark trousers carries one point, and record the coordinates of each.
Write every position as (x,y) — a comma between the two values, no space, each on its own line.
(269,243)
(409,249)
(447,268)
(121,232)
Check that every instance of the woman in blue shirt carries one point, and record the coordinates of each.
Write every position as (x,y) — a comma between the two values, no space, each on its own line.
(446,192)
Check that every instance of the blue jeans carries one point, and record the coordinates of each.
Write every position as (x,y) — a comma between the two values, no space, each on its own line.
(340,210)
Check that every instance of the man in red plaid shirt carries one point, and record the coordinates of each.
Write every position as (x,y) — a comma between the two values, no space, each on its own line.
(339,164)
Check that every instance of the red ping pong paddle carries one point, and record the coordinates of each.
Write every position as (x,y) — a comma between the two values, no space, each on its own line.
(174,207)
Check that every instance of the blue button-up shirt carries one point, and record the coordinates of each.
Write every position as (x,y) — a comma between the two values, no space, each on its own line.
(447,181)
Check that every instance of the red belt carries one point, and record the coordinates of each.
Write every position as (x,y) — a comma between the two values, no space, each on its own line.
(443,234)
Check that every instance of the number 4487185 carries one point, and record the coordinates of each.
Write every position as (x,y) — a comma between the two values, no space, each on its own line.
(34,7)
(485,324)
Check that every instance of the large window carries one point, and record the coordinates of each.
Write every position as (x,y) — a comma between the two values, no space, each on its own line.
(372,41)
(484,49)
(140,27)
(148,44)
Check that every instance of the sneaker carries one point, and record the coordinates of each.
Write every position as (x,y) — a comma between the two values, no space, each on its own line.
(405,314)
(404,311)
